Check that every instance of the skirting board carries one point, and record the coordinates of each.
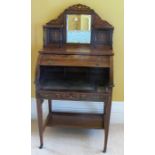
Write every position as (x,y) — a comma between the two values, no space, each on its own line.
(117,112)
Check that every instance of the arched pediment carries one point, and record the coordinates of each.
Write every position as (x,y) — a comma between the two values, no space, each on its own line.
(97,22)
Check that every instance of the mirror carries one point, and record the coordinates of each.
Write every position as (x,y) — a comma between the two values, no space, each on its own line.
(78,28)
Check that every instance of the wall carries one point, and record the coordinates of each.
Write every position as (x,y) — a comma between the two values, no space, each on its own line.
(110,10)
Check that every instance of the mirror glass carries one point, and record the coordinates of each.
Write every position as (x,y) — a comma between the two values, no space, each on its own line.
(78,28)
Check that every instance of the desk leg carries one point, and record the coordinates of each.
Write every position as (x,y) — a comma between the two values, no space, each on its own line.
(50,105)
(107,112)
(40,120)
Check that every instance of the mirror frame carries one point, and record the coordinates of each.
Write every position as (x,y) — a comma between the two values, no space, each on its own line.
(66,25)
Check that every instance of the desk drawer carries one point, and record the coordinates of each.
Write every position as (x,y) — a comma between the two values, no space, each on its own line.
(73,96)
(75,60)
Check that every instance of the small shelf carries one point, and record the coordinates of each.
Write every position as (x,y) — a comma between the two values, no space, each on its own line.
(81,120)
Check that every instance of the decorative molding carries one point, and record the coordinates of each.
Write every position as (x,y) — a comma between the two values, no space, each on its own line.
(117,113)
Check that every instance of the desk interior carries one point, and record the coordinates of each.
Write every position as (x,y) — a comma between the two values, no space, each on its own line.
(73,78)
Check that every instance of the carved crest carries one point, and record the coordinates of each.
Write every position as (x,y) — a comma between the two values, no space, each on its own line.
(79,7)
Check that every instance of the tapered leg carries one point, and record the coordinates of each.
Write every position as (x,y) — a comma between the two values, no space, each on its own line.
(40,120)
(107,112)
(50,105)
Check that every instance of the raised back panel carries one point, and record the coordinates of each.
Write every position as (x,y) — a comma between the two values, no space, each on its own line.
(55,30)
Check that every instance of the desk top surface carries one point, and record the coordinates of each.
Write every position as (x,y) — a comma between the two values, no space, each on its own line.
(78,50)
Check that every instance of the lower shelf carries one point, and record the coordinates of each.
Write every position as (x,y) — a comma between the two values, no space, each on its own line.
(81,120)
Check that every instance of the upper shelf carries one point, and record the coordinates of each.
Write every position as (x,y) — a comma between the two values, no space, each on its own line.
(68,49)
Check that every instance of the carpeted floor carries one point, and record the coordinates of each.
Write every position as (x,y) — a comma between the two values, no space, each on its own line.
(67,141)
